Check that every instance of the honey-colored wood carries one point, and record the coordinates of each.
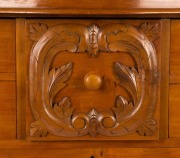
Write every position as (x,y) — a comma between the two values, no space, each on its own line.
(174,55)
(7,76)
(20,78)
(7,46)
(139,80)
(88,13)
(24,144)
(167,147)
(7,110)
(94,153)
(174,111)
(164,74)
(105,4)
(141,152)
(7,80)
(73,153)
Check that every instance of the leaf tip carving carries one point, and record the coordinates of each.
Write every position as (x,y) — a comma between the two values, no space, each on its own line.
(148,128)
(37,30)
(93,40)
(128,78)
(150,30)
(63,109)
(122,107)
(38,129)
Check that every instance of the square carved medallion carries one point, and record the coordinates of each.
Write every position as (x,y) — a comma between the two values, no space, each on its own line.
(93,79)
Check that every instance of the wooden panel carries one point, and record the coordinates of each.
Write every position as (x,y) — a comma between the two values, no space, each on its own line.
(7,78)
(93,153)
(72,153)
(56,59)
(91,4)
(175,52)
(7,110)
(24,144)
(174,111)
(7,46)
(142,152)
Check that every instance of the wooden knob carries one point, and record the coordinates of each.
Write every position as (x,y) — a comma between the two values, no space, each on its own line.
(92,81)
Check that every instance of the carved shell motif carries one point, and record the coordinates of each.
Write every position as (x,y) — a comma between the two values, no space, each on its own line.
(60,118)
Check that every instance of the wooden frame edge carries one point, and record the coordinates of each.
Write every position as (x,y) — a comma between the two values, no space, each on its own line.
(164,81)
(20,78)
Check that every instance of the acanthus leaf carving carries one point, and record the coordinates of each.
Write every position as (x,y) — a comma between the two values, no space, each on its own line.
(128,79)
(37,30)
(38,129)
(148,128)
(122,107)
(150,30)
(93,40)
(58,77)
(60,117)
(93,117)
(64,110)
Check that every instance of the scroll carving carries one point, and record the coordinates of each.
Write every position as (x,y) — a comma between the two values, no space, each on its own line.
(125,116)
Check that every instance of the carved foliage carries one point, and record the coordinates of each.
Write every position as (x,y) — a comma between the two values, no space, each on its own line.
(64,109)
(110,38)
(38,129)
(37,30)
(148,128)
(58,77)
(150,30)
(93,40)
(128,78)
(122,107)
(93,116)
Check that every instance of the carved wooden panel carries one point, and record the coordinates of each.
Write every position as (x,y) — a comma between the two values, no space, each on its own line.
(94,80)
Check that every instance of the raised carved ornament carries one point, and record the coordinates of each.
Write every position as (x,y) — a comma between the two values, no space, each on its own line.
(125,117)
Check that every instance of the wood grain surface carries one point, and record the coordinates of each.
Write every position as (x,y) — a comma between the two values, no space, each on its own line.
(7,80)
(12,36)
(174,52)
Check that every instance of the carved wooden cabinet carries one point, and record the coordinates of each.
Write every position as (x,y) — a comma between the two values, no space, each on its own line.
(92,79)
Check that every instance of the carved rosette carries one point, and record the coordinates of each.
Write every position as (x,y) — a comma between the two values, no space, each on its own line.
(125,117)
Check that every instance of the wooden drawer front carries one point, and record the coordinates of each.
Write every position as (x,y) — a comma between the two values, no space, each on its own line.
(93,79)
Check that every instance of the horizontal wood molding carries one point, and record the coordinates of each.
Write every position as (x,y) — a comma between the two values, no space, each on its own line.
(30,145)
(94,153)
(117,4)
(91,12)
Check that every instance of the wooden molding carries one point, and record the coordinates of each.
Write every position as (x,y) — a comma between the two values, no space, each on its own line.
(20,79)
